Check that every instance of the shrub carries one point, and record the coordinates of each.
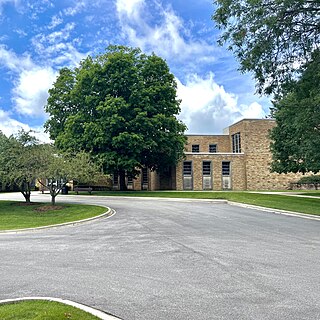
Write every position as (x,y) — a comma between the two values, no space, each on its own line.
(314,179)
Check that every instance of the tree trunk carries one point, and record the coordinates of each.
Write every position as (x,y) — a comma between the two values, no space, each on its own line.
(122,180)
(53,200)
(27,196)
(26,191)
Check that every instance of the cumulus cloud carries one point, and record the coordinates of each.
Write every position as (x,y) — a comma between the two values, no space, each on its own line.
(13,62)
(31,91)
(169,38)
(9,126)
(31,85)
(207,108)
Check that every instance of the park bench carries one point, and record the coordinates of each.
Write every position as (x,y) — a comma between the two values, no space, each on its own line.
(77,189)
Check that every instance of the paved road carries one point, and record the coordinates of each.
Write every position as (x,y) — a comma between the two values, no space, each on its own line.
(165,259)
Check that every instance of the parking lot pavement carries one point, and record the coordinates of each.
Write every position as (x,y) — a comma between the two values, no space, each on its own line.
(166,259)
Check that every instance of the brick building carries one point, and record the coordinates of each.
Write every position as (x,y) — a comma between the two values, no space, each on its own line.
(239,159)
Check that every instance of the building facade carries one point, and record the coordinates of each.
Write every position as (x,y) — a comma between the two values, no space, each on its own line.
(239,159)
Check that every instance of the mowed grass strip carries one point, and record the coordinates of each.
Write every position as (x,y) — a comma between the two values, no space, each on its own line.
(275,201)
(40,310)
(18,215)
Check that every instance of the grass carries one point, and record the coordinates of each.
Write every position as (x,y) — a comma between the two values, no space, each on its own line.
(17,215)
(42,310)
(311,193)
(275,201)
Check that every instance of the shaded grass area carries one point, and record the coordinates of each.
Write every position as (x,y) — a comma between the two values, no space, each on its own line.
(42,310)
(17,215)
(311,193)
(275,201)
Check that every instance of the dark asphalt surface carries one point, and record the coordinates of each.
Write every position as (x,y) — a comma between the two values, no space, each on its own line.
(166,259)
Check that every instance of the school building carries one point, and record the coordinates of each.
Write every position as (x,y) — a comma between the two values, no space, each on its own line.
(238,159)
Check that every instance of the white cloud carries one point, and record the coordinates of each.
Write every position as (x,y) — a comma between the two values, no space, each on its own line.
(31,91)
(55,21)
(71,11)
(31,85)
(9,126)
(58,48)
(207,108)
(13,62)
(169,38)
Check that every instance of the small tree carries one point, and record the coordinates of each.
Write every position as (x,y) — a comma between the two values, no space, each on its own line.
(59,169)
(18,161)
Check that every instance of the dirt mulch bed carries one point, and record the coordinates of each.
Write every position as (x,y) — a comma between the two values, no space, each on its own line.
(48,208)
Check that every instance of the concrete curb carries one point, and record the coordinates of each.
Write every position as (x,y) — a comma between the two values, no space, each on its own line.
(276,211)
(108,214)
(94,312)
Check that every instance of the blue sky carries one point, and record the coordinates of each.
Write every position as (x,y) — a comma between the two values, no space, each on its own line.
(38,37)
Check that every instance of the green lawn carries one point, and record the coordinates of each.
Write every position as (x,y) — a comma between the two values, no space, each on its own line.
(311,193)
(16,215)
(275,201)
(42,310)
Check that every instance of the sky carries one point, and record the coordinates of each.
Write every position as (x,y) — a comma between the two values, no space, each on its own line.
(39,37)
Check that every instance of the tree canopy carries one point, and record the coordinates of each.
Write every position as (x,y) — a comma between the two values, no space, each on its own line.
(24,160)
(121,106)
(18,161)
(58,169)
(271,39)
(296,138)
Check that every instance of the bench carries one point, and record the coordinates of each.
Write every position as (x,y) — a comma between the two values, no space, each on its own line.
(77,189)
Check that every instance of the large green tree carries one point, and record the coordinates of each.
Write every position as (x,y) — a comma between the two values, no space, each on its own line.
(120,106)
(296,138)
(272,39)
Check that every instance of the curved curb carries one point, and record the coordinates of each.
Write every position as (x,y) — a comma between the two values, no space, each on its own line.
(92,311)
(276,211)
(108,214)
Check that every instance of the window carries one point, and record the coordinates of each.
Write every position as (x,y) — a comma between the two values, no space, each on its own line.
(144,175)
(115,179)
(195,148)
(236,143)
(187,168)
(206,168)
(212,148)
(130,178)
(226,168)
(187,175)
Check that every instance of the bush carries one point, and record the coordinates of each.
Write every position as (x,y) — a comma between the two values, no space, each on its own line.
(314,179)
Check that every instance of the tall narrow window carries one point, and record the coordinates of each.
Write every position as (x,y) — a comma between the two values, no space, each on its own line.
(115,179)
(187,168)
(144,175)
(144,179)
(236,143)
(206,168)
(195,148)
(212,148)
(226,177)
(187,175)
(206,175)
(226,168)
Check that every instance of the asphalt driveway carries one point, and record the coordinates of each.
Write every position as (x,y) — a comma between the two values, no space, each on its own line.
(167,259)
